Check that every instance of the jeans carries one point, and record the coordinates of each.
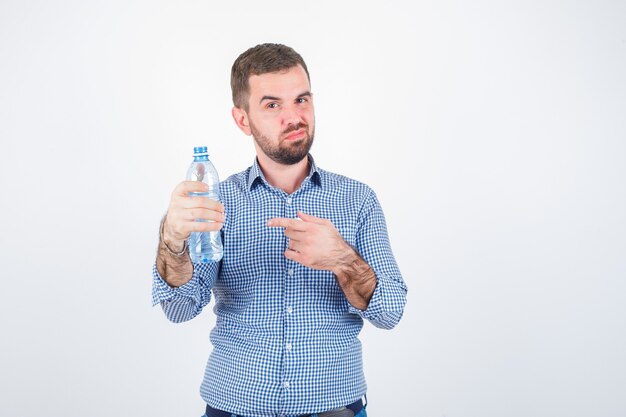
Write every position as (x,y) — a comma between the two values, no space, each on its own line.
(362,413)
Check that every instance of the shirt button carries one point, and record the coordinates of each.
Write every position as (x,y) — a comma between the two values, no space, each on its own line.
(286,384)
(290,272)
(288,347)
(288,200)
(289,310)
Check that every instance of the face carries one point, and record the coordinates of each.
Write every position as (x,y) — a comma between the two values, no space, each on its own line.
(281,117)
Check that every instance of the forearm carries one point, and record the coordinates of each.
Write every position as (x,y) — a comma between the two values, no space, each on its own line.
(174,267)
(356,279)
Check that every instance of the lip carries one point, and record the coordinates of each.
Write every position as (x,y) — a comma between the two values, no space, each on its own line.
(296,135)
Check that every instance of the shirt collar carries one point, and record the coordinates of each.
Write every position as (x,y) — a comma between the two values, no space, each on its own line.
(315,175)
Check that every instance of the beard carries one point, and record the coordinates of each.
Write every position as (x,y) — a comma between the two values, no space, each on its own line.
(286,152)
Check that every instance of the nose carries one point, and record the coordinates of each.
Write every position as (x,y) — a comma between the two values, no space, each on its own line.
(291,116)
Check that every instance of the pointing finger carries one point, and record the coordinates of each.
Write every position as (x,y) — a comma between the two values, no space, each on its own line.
(294,224)
(312,219)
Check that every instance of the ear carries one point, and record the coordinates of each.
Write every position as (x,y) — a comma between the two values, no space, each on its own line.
(241,120)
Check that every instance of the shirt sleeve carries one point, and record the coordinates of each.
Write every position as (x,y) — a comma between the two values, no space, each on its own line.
(387,303)
(187,301)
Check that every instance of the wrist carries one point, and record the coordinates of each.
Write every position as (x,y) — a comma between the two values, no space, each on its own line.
(346,260)
(173,246)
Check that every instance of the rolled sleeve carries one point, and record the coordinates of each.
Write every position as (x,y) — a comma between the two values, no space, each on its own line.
(187,301)
(386,306)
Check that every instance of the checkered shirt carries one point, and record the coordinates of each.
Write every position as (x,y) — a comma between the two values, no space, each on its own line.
(286,341)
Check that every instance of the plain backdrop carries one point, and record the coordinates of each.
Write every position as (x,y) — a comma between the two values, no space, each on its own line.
(493,132)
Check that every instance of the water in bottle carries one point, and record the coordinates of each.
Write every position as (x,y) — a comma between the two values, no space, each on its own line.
(204,247)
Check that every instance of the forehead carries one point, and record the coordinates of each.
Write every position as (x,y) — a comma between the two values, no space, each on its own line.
(283,84)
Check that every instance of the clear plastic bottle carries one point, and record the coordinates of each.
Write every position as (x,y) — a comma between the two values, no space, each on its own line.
(204,247)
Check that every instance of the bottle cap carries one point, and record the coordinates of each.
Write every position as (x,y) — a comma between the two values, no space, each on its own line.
(200,150)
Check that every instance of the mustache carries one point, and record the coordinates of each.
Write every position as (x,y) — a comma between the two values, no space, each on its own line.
(293,128)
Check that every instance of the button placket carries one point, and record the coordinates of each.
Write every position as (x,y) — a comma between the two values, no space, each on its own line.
(288,299)
(290,211)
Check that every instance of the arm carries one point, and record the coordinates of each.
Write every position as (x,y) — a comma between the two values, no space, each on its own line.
(173,262)
(183,288)
(355,277)
(372,242)
(367,275)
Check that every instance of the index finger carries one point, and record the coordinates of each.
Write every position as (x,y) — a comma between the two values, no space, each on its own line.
(295,224)
(184,188)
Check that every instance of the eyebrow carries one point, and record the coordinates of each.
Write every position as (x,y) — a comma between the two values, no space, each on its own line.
(305,94)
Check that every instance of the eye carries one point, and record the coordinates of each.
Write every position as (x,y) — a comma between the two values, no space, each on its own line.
(272,105)
(302,100)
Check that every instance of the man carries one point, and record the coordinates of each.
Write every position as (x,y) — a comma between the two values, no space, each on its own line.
(306,259)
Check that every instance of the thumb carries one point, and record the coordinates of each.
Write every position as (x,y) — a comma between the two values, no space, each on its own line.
(311,219)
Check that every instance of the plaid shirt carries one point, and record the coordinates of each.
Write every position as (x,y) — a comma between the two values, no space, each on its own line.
(286,339)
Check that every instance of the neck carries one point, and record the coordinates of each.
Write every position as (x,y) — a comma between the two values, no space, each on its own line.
(286,177)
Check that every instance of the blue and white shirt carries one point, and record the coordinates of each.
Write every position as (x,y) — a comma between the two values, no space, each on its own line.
(286,339)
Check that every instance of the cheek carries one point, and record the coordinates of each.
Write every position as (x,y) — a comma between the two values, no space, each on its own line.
(272,129)
(266,123)
(309,115)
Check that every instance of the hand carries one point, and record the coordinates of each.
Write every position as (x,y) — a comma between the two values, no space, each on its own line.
(314,242)
(184,210)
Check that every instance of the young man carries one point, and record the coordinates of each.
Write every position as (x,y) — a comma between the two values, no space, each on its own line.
(306,259)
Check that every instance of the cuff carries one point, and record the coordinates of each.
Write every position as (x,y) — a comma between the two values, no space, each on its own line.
(386,305)
(162,291)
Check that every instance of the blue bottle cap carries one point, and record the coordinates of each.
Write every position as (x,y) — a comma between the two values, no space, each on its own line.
(200,150)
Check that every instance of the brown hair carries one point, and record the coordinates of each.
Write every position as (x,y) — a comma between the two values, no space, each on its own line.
(261,59)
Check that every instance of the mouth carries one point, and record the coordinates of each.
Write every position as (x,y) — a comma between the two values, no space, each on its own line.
(296,135)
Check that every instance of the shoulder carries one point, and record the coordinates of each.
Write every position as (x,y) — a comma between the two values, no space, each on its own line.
(235,187)
(236,181)
(333,182)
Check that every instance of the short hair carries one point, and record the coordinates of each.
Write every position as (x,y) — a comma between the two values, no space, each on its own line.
(261,59)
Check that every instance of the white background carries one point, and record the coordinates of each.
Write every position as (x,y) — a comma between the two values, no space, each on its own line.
(493,132)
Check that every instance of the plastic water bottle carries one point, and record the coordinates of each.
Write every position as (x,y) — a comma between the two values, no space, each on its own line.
(204,247)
